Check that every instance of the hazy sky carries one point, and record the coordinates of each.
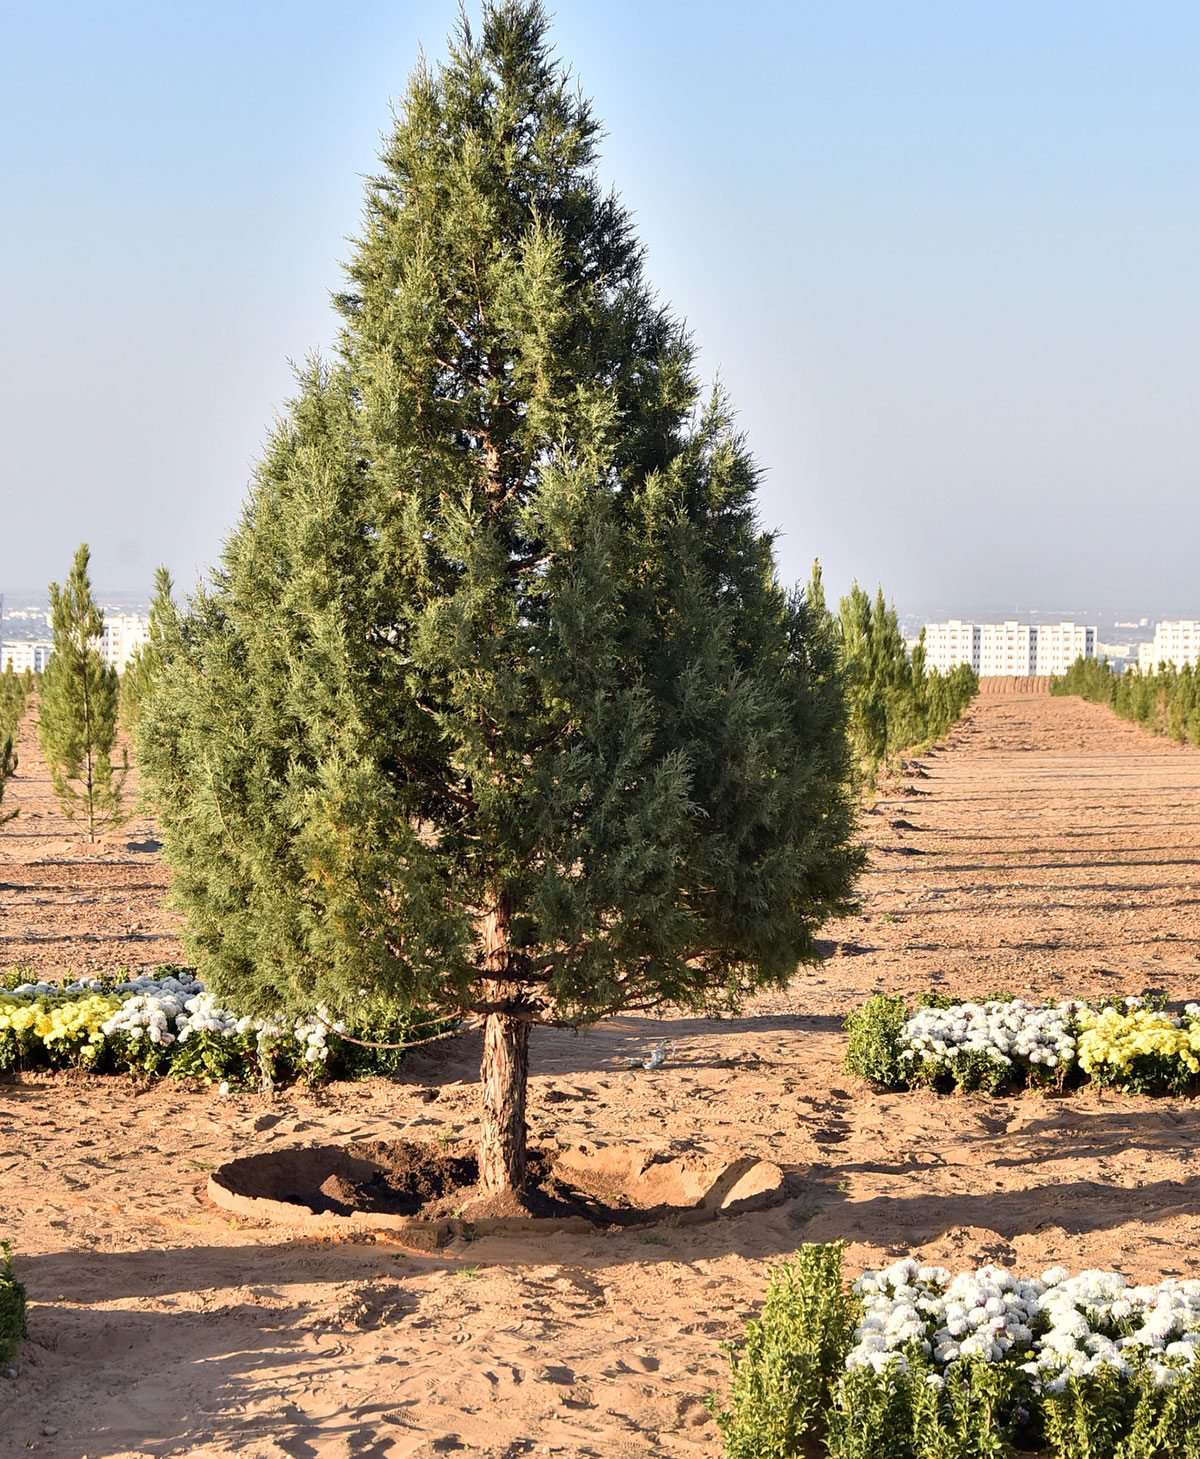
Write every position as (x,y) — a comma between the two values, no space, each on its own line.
(944,255)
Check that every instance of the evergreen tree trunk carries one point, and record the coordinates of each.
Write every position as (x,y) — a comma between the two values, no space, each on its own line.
(504,1072)
(89,768)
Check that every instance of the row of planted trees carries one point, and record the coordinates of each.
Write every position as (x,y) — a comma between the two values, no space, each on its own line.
(82,701)
(894,703)
(1166,701)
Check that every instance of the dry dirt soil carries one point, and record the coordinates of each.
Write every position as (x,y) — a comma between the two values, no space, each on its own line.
(1046,847)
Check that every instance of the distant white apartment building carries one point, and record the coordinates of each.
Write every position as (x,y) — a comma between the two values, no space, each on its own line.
(123,633)
(1176,641)
(1008,648)
(949,644)
(1058,645)
(24,655)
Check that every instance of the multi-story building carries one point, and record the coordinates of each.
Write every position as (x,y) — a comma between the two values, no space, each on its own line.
(1176,641)
(24,655)
(123,633)
(1058,645)
(1008,648)
(949,644)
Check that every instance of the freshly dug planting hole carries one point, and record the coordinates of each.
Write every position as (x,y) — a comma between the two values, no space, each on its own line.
(400,1184)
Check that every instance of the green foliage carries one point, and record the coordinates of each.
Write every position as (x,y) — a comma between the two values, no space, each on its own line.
(873,1048)
(148,658)
(1163,1423)
(8,768)
(1167,702)
(785,1367)
(496,702)
(791,1396)
(1088,1418)
(970,1071)
(77,724)
(894,703)
(1092,679)
(1146,1074)
(971,1413)
(12,1307)
(14,694)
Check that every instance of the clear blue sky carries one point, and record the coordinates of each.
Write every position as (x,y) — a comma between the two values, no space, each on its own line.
(944,255)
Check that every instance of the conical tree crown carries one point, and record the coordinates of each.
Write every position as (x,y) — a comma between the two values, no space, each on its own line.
(77,720)
(498,642)
(146,661)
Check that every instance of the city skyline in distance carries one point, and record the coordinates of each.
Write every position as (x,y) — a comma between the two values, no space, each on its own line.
(22,614)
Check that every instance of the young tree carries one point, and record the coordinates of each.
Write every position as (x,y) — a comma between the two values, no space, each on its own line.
(8,768)
(895,703)
(77,723)
(496,706)
(148,658)
(865,689)
(13,696)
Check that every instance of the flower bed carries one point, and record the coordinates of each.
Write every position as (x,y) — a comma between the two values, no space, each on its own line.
(167,1024)
(914,1362)
(1136,1044)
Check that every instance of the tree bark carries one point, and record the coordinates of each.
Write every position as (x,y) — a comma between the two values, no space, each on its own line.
(504,1074)
(504,1071)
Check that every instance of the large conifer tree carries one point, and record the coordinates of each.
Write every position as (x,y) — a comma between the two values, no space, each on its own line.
(77,720)
(495,705)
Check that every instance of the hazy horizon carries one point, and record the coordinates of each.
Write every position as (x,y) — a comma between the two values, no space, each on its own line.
(1108,617)
(942,258)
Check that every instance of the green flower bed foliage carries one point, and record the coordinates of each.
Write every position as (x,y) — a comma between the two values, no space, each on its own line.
(12,1307)
(785,1367)
(976,1414)
(1127,1416)
(793,1394)
(875,1030)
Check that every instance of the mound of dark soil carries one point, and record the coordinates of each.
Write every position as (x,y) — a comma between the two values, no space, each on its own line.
(414,1178)
(603,1186)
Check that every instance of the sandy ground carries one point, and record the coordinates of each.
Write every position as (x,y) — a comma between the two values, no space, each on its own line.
(1048,848)
(67,905)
